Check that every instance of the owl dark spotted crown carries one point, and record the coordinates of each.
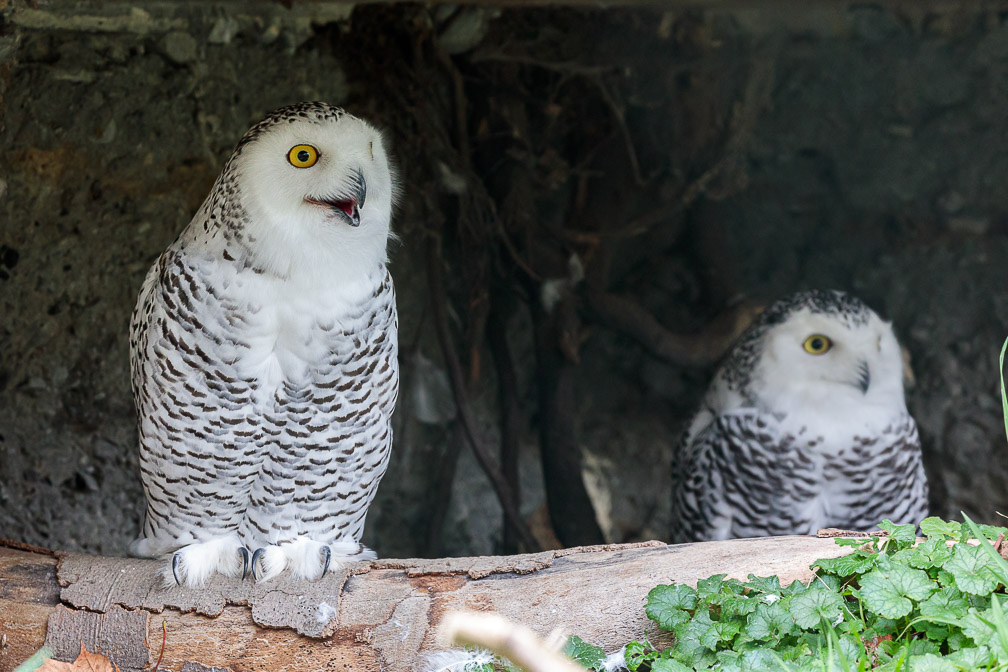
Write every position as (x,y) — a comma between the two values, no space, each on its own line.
(316,112)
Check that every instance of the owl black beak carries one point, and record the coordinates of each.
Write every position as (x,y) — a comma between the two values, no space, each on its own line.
(864,377)
(347,208)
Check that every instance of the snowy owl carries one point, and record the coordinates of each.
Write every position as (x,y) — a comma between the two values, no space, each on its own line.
(263,357)
(804,426)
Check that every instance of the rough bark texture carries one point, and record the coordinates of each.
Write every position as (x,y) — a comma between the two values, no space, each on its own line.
(373,616)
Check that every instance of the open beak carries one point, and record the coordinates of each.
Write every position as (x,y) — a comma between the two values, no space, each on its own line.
(347,207)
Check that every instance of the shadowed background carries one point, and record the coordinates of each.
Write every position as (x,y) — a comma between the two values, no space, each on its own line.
(594,202)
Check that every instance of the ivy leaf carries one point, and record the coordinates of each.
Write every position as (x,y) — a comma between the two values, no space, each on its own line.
(888,592)
(857,562)
(936,527)
(971,569)
(945,603)
(669,665)
(976,627)
(636,654)
(666,605)
(769,622)
(813,605)
(973,658)
(932,553)
(696,637)
(903,535)
(929,662)
(765,584)
(586,654)
(736,605)
(710,586)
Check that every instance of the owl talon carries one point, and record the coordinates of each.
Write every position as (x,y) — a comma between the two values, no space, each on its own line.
(176,559)
(245,561)
(255,560)
(328,556)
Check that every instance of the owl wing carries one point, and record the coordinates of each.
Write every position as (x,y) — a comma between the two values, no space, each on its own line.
(738,476)
(193,425)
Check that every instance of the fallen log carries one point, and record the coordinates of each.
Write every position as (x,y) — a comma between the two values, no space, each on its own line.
(380,615)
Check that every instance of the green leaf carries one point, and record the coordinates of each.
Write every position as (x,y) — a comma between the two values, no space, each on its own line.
(759,660)
(888,592)
(669,665)
(636,654)
(932,553)
(972,570)
(710,585)
(765,584)
(976,627)
(586,654)
(992,532)
(857,562)
(769,621)
(696,637)
(945,603)
(936,527)
(813,605)
(972,658)
(478,667)
(1000,565)
(666,605)
(929,662)
(903,535)
(736,605)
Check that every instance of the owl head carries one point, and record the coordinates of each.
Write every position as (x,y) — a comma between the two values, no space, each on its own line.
(819,352)
(314,191)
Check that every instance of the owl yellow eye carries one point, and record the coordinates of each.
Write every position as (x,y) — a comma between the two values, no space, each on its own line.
(817,344)
(302,156)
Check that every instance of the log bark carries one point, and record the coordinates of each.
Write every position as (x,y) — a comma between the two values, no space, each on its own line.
(370,616)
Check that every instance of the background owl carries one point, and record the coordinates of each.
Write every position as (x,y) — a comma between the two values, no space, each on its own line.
(804,426)
(263,356)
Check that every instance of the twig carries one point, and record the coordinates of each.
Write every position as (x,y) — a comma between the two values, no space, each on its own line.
(164,640)
(510,411)
(440,315)
(700,349)
(441,492)
(570,507)
(515,642)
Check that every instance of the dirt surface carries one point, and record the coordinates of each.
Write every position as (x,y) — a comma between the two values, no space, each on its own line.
(856,148)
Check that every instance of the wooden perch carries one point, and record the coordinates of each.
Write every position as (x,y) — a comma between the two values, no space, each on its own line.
(381,615)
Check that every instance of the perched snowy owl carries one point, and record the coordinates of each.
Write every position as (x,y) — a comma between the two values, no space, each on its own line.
(803,427)
(263,357)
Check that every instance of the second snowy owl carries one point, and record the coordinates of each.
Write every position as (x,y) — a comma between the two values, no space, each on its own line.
(263,357)
(804,426)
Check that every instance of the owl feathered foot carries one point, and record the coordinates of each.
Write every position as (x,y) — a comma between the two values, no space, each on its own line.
(193,564)
(305,558)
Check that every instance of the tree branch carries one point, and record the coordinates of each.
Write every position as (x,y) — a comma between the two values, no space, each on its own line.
(700,349)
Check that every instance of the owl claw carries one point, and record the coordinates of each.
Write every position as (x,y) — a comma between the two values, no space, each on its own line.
(328,556)
(176,558)
(245,561)
(255,559)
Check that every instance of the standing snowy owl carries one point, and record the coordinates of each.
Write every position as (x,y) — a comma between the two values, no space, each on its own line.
(803,427)
(263,357)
